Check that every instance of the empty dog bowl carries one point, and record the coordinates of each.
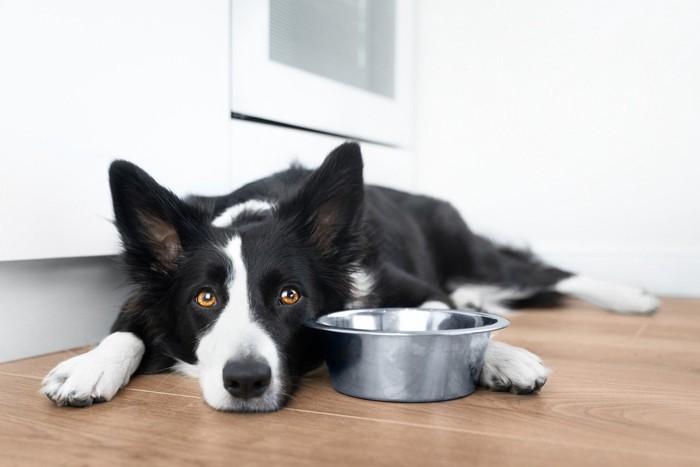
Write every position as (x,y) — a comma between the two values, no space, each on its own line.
(406,354)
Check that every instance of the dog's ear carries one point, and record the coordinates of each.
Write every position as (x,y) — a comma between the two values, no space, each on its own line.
(151,220)
(327,207)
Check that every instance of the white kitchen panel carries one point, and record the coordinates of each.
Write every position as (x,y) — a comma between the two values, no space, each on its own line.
(259,150)
(337,67)
(85,82)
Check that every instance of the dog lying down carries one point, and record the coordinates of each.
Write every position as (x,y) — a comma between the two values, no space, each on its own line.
(224,284)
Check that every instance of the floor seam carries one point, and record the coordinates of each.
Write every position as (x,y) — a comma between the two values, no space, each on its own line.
(641,329)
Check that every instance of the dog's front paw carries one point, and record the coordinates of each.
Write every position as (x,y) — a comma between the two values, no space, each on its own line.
(78,382)
(97,375)
(634,300)
(512,369)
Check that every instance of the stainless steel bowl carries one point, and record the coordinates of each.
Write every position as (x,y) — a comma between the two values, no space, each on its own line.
(406,354)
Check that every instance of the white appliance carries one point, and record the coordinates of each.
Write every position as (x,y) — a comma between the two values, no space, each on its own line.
(338,67)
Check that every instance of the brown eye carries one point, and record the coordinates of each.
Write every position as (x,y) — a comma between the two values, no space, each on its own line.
(205,298)
(289,296)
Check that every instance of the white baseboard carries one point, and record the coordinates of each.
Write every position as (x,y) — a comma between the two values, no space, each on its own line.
(662,271)
(57,304)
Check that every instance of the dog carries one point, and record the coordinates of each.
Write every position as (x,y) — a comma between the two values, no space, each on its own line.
(223,285)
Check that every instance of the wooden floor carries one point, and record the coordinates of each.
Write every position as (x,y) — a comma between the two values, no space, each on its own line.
(625,391)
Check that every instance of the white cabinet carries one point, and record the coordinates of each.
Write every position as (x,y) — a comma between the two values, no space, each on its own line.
(85,82)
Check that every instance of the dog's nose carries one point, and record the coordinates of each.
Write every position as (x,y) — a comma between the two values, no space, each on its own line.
(247,378)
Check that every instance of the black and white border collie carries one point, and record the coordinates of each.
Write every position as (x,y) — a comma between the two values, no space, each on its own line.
(224,284)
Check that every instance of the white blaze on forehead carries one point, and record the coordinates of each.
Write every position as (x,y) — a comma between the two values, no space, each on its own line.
(230,214)
(236,336)
(238,285)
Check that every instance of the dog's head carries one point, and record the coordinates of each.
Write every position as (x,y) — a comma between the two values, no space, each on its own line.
(233,299)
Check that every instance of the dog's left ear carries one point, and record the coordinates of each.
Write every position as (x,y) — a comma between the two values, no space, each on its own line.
(327,207)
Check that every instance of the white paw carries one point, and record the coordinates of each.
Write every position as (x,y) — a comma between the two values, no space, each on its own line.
(487,298)
(435,305)
(467,297)
(97,375)
(633,300)
(614,297)
(513,369)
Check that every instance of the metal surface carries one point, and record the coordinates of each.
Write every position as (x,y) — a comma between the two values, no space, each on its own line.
(406,354)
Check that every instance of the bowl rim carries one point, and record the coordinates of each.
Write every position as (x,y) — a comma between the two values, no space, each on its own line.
(499,324)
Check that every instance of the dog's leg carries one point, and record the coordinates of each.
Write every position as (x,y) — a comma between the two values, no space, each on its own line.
(513,369)
(613,297)
(97,375)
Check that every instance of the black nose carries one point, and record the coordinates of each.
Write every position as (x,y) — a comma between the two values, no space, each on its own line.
(247,378)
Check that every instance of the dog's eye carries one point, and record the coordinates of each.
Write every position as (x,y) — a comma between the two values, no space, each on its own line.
(289,296)
(205,298)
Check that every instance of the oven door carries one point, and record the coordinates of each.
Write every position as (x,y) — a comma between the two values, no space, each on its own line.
(340,67)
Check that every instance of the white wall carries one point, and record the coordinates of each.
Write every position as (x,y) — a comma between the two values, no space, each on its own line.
(569,125)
